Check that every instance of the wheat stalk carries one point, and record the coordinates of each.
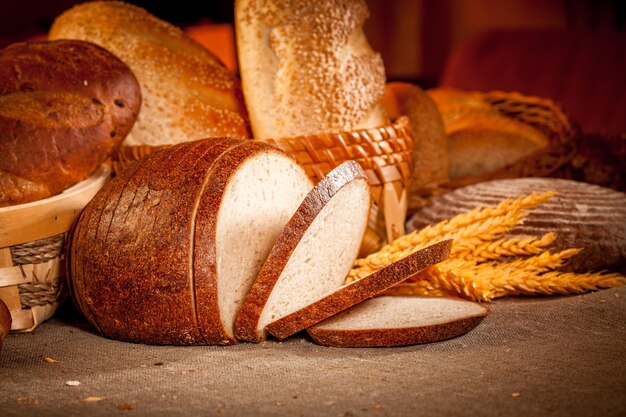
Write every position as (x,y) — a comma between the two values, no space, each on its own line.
(473,228)
(476,269)
(489,283)
(490,250)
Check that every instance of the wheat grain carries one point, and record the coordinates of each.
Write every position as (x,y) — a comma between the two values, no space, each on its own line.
(477,268)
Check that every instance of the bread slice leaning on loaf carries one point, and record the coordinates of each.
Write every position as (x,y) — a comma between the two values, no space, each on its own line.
(313,253)
(307,67)
(346,296)
(398,321)
(188,93)
(166,252)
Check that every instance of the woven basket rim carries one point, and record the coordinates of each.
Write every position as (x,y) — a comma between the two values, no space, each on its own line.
(102,172)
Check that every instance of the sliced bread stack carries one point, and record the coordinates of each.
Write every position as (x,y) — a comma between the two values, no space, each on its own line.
(221,240)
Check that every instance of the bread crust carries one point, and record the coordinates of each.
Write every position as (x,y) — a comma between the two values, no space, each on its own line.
(64,106)
(250,313)
(188,93)
(134,273)
(402,336)
(582,216)
(205,244)
(430,152)
(307,67)
(357,291)
(5,322)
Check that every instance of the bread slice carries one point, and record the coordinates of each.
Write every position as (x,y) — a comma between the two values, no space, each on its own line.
(313,254)
(343,297)
(156,254)
(307,68)
(188,93)
(397,321)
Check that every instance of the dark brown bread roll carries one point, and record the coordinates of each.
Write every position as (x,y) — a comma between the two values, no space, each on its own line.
(64,105)
(582,215)
(5,322)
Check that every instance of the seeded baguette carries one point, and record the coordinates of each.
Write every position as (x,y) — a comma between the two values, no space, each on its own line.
(360,290)
(399,321)
(308,58)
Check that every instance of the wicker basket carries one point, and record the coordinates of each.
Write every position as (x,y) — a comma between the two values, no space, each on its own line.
(542,114)
(385,154)
(32,240)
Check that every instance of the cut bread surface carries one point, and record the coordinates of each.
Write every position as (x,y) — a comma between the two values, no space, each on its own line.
(164,252)
(258,201)
(324,256)
(399,320)
(314,252)
(343,297)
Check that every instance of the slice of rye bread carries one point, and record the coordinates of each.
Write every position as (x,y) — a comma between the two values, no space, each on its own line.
(313,254)
(399,321)
(351,294)
(141,243)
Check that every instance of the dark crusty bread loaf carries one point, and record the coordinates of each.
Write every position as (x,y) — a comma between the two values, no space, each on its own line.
(166,252)
(582,215)
(64,106)
(346,296)
(314,252)
(398,321)
(188,93)
(5,322)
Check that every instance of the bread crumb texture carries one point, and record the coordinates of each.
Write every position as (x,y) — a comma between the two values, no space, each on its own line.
(327,77)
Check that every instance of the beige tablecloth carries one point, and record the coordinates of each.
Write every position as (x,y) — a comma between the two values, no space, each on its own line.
(562,356)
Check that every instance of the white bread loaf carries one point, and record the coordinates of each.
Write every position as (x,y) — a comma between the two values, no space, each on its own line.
(187,92)
(398,321)
(582,215)
(307,68)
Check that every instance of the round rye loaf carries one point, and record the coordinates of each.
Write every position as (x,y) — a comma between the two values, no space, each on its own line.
(167,251)
(582,215)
